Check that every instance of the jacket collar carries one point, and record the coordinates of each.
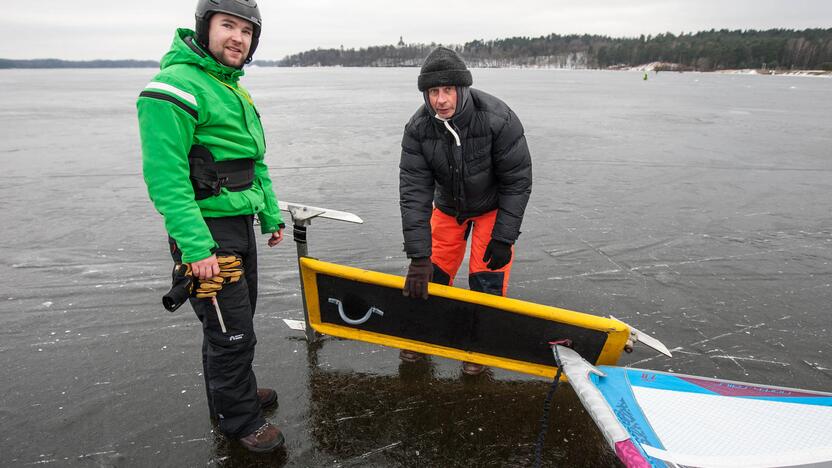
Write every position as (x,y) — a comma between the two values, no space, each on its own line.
(185,49)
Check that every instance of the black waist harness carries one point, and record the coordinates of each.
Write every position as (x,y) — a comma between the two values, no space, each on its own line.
(209,177)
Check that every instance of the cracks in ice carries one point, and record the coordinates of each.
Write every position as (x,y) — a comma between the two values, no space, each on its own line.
(604,254)
(735,359)
(816,366)
(664,265)
(738,360)
(741,330)
(368,454)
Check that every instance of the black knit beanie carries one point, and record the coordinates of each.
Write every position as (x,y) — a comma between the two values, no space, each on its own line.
(443,67)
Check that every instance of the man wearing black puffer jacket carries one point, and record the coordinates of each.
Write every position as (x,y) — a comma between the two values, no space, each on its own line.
(465,171)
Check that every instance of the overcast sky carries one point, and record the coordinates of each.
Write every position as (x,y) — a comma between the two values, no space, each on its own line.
(119,29)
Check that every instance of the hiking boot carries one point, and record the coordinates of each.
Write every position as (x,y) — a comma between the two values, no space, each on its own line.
(469,368)
(267,397)
(410,356)
(265,439)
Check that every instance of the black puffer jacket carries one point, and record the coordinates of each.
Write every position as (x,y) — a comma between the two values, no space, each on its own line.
(492,169)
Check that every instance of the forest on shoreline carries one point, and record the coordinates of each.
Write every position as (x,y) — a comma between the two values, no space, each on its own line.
(714,50)
(785,49)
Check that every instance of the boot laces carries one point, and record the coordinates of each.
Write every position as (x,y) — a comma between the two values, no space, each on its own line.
(262,430)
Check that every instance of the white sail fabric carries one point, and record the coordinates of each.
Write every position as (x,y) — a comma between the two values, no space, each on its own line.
(682,420)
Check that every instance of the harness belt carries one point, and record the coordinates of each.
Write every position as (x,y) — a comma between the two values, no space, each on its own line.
(209,176)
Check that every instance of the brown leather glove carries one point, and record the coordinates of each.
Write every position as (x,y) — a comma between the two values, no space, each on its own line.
(230,272)
(419,274)
(230,268)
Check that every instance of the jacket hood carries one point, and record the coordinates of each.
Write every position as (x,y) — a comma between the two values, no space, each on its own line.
(463,108)
(186,50)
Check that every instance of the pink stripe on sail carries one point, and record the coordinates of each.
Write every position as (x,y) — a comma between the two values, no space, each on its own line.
(737,389)
(629,454)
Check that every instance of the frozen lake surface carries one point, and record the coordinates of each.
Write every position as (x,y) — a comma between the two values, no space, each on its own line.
(697,207)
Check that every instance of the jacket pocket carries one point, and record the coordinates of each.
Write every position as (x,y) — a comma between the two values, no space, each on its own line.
(478,160)
(480,148)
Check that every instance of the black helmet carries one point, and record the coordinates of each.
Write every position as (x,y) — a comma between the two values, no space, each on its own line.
(245,9)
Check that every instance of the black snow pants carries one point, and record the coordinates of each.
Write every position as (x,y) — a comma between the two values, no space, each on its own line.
(227,355)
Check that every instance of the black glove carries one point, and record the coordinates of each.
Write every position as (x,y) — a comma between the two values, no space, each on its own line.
(419,274)
(497,254)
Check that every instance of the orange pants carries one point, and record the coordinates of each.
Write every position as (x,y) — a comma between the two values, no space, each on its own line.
(449,239)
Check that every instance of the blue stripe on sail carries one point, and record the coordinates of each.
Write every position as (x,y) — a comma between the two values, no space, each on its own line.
(615,388)
(812,401)
(663,381)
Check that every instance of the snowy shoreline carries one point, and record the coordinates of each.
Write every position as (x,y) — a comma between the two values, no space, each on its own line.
(674,67)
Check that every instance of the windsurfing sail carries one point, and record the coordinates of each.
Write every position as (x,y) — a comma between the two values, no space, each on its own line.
(455,323)
(659,419)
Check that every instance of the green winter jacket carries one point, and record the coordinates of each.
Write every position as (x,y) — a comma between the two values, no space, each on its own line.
(194,100)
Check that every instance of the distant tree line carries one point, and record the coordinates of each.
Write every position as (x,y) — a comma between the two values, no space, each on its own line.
(809,49)
(704,51)
(375,56)
(57,63)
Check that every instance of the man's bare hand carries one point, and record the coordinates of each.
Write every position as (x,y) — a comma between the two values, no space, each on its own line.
(206,268)
(276,238)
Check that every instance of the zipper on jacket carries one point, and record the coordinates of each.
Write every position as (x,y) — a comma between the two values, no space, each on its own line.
(455,166)
(244,94)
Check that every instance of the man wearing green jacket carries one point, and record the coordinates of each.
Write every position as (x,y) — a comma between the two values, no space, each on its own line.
(202,155)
